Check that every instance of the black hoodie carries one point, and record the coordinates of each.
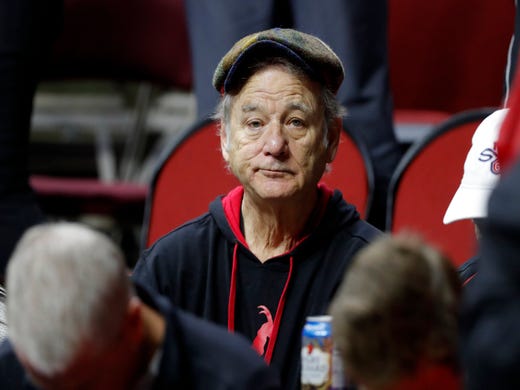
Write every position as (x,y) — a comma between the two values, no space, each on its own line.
(205,267)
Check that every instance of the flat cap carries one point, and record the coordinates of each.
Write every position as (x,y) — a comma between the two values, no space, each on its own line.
(307,51)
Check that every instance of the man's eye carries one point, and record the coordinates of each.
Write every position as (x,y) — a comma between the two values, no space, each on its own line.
(296,122)
(254,124)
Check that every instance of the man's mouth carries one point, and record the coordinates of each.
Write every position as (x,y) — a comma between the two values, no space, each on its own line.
(276,172)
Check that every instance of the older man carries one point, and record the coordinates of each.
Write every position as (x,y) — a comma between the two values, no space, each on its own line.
(273,250)
(76,323)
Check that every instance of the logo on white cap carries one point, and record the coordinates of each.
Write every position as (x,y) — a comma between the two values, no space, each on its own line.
(490,155)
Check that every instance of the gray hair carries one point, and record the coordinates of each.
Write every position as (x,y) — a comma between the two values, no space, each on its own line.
(332,109)
(67,285)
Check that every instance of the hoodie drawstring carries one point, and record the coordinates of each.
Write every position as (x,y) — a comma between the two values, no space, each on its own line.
(232,292)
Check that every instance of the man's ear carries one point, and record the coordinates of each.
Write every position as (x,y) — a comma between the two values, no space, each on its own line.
(133,311)
(133,323)
(333,137)
(223,141)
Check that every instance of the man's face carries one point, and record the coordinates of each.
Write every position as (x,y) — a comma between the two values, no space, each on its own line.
(276,146)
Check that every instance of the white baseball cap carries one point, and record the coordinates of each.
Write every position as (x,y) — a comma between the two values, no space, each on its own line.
(481,172)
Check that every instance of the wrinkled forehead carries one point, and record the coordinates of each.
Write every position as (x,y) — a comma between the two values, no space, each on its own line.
(275,85)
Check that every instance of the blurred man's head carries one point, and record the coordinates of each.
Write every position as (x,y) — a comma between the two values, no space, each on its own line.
(71,316)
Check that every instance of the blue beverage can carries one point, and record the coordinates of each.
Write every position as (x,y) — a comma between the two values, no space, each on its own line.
(321,362)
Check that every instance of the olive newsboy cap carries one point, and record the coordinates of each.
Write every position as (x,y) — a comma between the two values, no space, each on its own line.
(307,51)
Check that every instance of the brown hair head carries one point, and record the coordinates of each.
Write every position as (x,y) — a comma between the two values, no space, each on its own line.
(397,306)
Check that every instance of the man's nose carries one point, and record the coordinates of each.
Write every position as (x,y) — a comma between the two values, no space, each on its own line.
(275,142)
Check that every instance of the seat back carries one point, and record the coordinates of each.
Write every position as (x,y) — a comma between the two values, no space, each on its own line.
(425,181)
(192,173)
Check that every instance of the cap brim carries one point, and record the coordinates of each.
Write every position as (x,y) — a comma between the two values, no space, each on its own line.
(467,203)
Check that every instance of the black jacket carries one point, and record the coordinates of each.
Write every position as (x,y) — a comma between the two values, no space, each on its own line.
(193,266)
